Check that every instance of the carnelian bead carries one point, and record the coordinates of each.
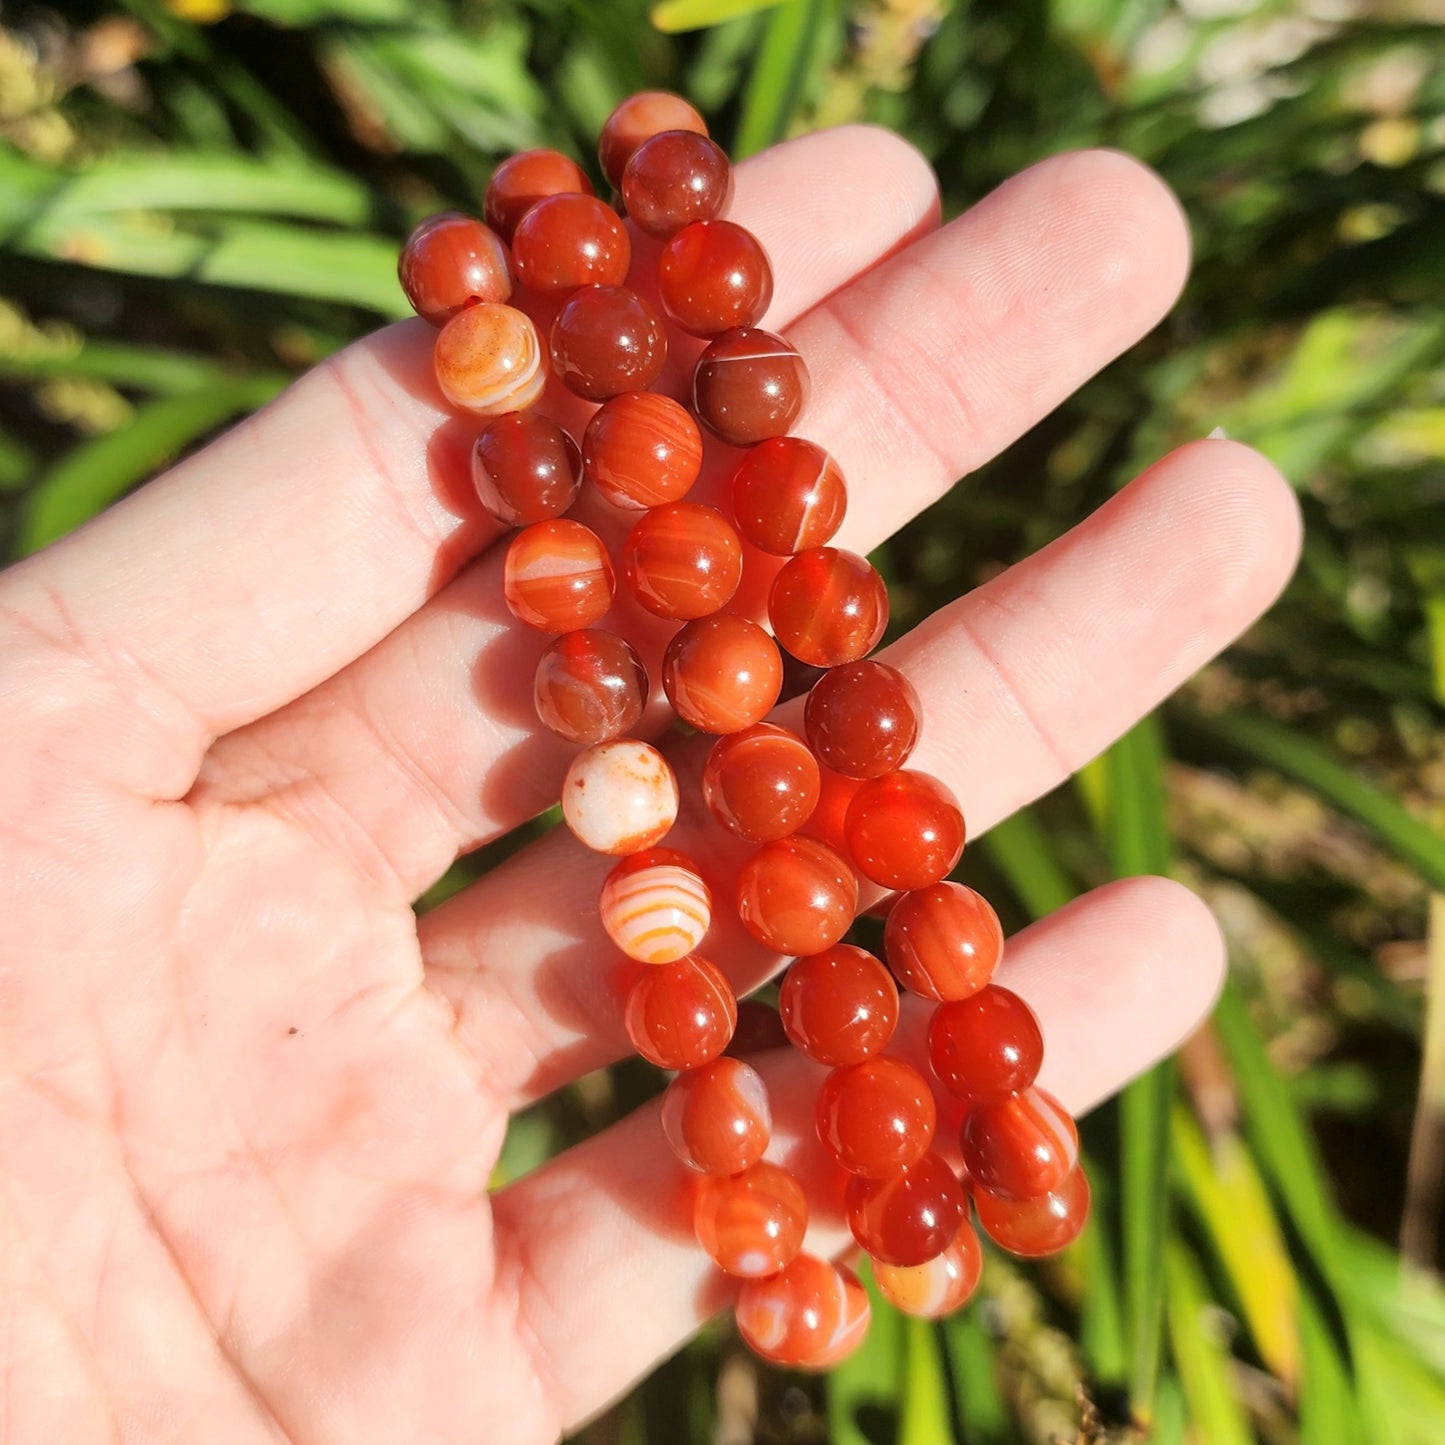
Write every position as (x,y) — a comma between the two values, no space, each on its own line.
(451,261)
(674,179)
(939,1285)
(681,1014)
(835,794)
(828,606)
(716,1117)
(796,895)
(904,830)
(642,450)
(638,119)
(1042,1225)
(752,1223)
(943,942)
(619,797)
(788,495)
(656,909)
(557,576)
(749,385)
(722,673)
(607,340)
(862,719)
(761,783)
(714,276)
(1022,1146)
(522,180)
(910,1216)
(568,241)
(683,561)
(809,1316)
(525,468)
(986,1046)
(489,359)
(839,1006)
(876,1116)
(590,686)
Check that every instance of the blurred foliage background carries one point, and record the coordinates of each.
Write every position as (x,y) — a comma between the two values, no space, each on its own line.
(200,198)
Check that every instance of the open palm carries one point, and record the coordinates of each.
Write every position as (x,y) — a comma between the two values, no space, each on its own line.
(249,1106)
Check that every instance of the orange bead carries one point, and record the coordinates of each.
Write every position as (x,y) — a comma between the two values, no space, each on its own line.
(451,261)
(840,1006)
(828,606)
(637,119)
(713,276)
(939,1285)
(642,450)
(525,468)
(876,1116)
(788,496)
(590,686)
(751,1224)
(761,783)
(1039,1226)
(749,385)
(655,906)
(680,1015)
(796,895)
(944,941)
(986,1046)
(557,576)
(1020,1148)
(716,1117)
(910,1216)
(722,673)
(489,359)
(904,830)
(674,179)
(568,241)
(682,561)
(862,719)
(522,180)
(809,1316)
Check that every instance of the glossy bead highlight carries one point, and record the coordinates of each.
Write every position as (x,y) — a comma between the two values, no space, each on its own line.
(568,241)
(751,1224)
(522,180)
(862,719)
(680,1015)
(944,941)
(722,673)
(761,783)
(590,686)
(714,276)
(809,1316)
(796,895)
(828,606)
(1038,1226)
(489,360)
(675,178)
(876,1116)
(642,450)
(910,1216)
(638,119)
(655,907)
(452,261)
(839,1006)
(904,830)
(717,1117)
(525,468)
(557,576)
(749,385)
(682,561)
(938,1286)
(986,1046)
(607,340)
(788,495)
(1021,1147)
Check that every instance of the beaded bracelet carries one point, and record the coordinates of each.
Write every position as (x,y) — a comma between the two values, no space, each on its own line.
(822,811)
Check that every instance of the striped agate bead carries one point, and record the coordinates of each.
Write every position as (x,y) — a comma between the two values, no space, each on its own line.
(717,1118)
(1020,1148)
(489,359)
(751,1224)
(943,942)
(619,797)
(655,906)
(680,1015)
(808,1316)
(788,495)
(1039,1226)
(939,1285)
(557,576)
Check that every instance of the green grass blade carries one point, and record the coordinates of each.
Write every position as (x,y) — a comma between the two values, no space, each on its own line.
(982,1414)
(1285,750)
(781,74)
(140,368)
(924,1417)
(677,15)
(1327,1410)
(867,1385)
(1020,849)
(1101,1311)
(1204,1364)
(94,474)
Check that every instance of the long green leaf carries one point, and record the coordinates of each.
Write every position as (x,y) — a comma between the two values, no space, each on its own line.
(678,15)
(870,1380)
(1020,849)
(141,368)
(781,74)
(1204,1364)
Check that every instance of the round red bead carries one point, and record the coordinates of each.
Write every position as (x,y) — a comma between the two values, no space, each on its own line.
(590,686)
(638,119)
(839,1006)
(1042,1225)
(489,359)
(682,561)
(525,468)
(749,385)
(876,1116)
(761,783)
(568,241)
(943,941)
(862,719)
(904,830)
(986,1046)
(796,895)
(557,576)
(910,1216)
(716,1117)
(809,1316)
(607,340)
(451,261)
(751,1224)
(828,606)
(788,495)
(680,1015)
(522,180)
(1021,1147)
(642,450)
(939,1285)
(714,276)
(674,179)
(722,673)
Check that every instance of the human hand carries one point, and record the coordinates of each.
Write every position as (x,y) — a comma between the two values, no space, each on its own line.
(250,1105)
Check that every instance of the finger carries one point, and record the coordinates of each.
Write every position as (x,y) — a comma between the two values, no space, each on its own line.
(922,368)
(598,1244)
(293,544)
(1021,682)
